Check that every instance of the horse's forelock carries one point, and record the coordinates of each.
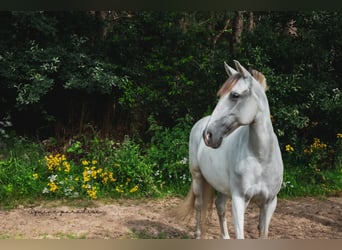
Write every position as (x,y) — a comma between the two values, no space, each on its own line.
(228,85)
(232,80)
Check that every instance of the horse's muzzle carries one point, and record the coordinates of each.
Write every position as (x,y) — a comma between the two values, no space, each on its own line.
(210,140)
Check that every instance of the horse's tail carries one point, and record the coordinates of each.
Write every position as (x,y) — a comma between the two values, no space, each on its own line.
(207,206)
(187,207)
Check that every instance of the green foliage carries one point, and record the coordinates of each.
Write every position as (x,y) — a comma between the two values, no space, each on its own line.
(165,64)
(313,170)
(119,170)
(301,70)
(19,160)
(96,168)
(132,169)
(168,155)
(75,148)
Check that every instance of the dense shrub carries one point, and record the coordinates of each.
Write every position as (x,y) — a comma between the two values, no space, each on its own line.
(168,155)
(93,168)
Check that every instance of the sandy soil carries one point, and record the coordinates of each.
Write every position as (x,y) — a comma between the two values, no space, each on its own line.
(304,218)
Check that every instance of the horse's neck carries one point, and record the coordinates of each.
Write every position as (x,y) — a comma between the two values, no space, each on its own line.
(261,136)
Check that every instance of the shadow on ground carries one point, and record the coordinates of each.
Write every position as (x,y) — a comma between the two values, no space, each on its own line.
(147,229)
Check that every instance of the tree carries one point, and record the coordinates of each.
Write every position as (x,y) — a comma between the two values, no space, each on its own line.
(70,72)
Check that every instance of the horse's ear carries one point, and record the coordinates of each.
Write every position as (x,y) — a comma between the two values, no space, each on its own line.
(230,71)
(244,72)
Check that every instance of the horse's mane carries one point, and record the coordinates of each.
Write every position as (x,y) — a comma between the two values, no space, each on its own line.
(260,78)
(232,80)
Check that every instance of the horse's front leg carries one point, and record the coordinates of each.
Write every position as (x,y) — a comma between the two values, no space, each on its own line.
(221,206)
(238,211)
(266,212)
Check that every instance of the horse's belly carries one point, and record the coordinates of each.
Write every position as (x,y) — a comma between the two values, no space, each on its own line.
(214,168)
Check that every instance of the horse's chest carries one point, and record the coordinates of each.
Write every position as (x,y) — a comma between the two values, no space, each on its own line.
(215,169)
(228,172)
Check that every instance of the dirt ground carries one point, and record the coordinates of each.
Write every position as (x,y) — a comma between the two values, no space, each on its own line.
(304,218)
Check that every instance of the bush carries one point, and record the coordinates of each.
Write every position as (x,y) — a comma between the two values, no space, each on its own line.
(168,155)
(133,169)
(19,161)
(93,168)
(313,170)
(102,168)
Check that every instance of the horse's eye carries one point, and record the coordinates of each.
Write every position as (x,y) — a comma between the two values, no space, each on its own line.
(234,95)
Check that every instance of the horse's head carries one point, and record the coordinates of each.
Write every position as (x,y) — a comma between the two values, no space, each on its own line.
(238,105)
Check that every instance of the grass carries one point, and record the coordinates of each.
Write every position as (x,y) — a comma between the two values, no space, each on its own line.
(5,236)
(70,236)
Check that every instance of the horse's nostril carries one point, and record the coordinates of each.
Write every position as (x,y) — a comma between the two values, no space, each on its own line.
(207,136)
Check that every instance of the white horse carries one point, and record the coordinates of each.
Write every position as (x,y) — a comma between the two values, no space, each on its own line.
(236,152)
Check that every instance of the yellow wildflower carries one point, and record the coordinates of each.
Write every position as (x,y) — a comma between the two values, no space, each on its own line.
(107,176)
(53,186)
(289,148)
(86,174)
(317,144)
(308,150)
(53,162)
(66,166)
(94,162)
(119,190)
(104,179)
(35,176)
(339,136)
(111,177)
(85,163)
(92,192)
(134,189)
(94,174)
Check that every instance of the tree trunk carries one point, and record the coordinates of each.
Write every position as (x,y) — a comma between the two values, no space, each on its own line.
(237,31)
(251,22)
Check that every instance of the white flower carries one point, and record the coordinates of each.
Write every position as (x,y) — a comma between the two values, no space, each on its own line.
(184,161)
(75,195)
(287,184)
(52,178)
(45,190)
